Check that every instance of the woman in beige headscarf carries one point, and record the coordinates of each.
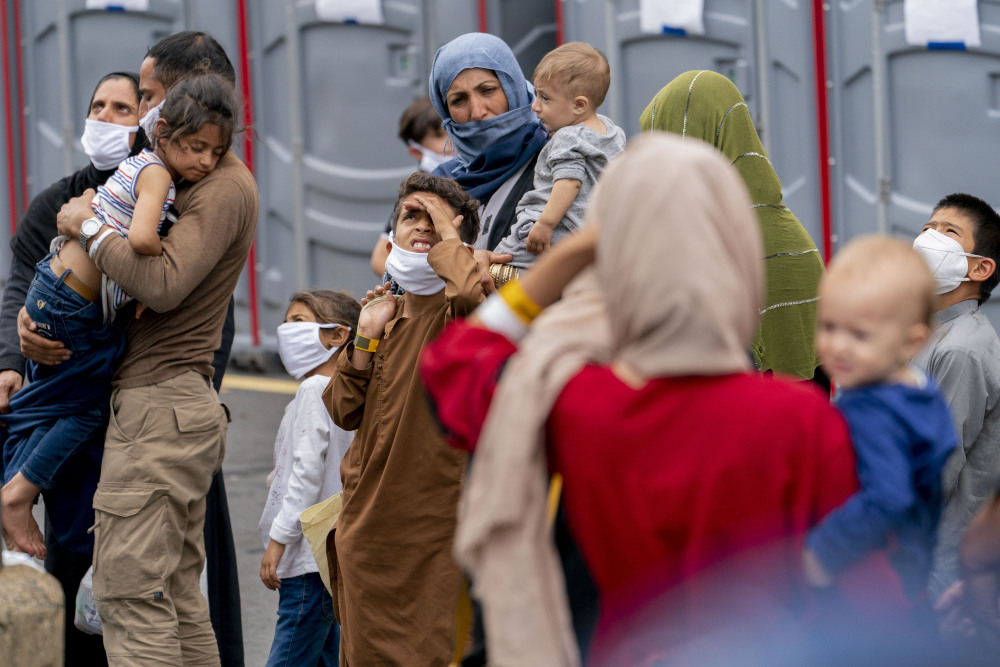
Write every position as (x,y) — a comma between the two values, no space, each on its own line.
(637,387)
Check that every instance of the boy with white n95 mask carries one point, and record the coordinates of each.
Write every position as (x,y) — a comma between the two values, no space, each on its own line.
(876,302)
(961,243)
(307,456)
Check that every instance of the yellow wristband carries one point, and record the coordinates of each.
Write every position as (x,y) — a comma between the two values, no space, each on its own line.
(519,301)
(365,344)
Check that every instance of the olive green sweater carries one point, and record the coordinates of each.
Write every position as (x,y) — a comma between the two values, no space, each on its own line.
(187,288)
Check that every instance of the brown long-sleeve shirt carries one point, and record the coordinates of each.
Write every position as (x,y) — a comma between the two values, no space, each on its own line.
(396,584)
(188,286)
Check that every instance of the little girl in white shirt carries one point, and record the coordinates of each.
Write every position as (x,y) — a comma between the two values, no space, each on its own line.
(307,455)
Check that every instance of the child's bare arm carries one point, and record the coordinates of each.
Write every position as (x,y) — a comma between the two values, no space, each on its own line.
(151,189)
(550,275)
(564,192)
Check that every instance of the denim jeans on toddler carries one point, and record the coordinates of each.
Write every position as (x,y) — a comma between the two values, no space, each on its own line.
(56,423)
(307,633)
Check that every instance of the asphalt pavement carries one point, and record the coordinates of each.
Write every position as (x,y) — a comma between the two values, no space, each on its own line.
(257,403)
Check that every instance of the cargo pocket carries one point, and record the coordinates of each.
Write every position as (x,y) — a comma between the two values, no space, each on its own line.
(203,425)
(197,417)
(130,552)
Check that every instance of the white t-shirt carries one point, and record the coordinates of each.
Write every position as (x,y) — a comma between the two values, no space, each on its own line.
(307,455)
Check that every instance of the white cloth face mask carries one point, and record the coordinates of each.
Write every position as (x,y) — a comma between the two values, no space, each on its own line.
(300,347)
(107,144)
(430,160)
(412,271)
(947,258)
(148,122)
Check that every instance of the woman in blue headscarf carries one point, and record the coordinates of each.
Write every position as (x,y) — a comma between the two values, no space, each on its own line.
(484,101)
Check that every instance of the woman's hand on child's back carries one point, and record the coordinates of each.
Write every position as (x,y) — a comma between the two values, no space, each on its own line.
(269,565)
(10,383)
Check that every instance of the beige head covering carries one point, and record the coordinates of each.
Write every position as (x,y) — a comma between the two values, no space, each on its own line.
(676,291)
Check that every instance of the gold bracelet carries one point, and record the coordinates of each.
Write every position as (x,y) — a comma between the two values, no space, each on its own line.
(366,344)
(519,301)
(503,274)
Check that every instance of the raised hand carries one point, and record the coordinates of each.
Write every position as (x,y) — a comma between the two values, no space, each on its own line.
(442,215)
(377,307)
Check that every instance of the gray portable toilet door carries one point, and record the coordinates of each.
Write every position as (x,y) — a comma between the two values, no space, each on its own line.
(642,63)
(329,98)
(911,124)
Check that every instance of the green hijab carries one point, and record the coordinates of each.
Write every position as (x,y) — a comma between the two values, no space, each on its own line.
(706,105)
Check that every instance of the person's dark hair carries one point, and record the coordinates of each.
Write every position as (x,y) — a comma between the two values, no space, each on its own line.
(448,190)
(331,307)
(418,120)
(197,101)
(985,233)
(188,53)
(129,76)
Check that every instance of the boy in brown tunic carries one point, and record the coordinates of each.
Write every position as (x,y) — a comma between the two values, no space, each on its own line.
(395,583)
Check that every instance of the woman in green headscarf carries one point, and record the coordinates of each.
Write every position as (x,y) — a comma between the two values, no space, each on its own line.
(706,105)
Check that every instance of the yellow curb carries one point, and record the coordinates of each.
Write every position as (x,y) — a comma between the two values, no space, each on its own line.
(253,383)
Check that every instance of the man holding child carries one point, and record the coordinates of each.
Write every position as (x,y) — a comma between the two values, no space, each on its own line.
(166,438)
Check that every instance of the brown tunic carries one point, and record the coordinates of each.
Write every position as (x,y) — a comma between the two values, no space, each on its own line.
(396,584)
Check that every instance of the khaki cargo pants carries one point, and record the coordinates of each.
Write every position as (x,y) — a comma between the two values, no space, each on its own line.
(164,444)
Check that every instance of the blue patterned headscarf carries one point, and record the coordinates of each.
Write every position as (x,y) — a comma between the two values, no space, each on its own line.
(488,151)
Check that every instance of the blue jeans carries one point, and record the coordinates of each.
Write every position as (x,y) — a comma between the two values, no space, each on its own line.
(55,429)
(307,633)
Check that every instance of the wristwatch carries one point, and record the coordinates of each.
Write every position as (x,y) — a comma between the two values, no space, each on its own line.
(88,230)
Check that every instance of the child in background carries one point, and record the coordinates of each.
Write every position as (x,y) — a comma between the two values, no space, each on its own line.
(396,583)
(64,406)
(570,84)
(961,244)
(875,309)
(307,455)
(420,129)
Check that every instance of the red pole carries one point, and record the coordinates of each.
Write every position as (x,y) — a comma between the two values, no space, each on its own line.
(244,49)
(482,15)
(822,125)
(560,30)
(8,121)
(19,70)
